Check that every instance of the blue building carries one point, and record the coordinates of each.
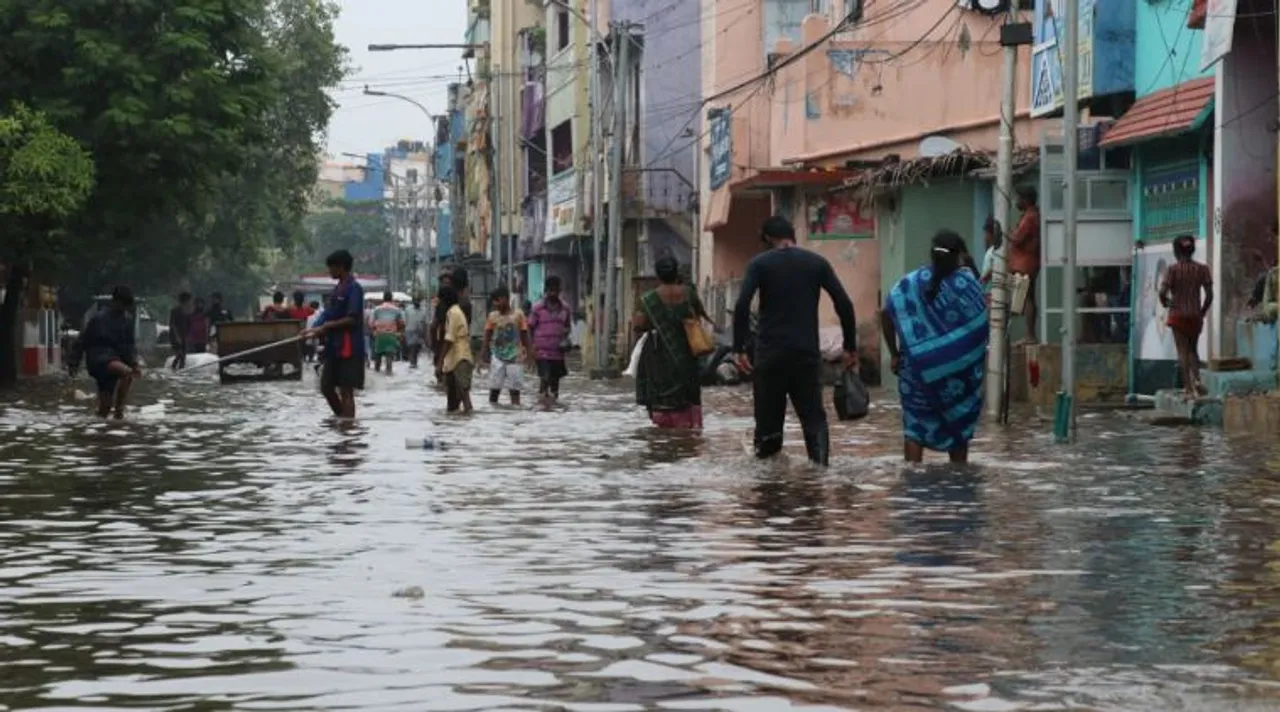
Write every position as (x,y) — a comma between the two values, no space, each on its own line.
(1169,133)
(370,187)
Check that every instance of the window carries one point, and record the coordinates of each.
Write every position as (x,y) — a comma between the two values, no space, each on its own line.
(1100,194)
(1103,294)
(562,148)
(411,175)
(783,18)
(562,28)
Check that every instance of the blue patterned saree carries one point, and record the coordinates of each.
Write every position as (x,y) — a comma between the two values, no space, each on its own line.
(943,347)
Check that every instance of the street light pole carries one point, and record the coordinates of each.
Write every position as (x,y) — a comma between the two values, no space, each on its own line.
(431,121)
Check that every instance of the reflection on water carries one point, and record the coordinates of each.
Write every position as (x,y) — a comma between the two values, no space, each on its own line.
(232,547)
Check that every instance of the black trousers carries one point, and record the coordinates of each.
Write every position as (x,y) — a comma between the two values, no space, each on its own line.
(783,375)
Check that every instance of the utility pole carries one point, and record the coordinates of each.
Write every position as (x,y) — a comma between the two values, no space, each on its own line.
(997,364)
(393,269)
(1065,420)
(597,192)
(495,194)
(622,33)
(415,223)
(512,158)
(696,212)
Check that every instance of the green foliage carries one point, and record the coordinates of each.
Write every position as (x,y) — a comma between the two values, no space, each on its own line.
(45,176)
(358,227)
(204,119)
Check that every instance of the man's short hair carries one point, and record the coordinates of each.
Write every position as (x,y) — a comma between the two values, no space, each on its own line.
(1029,194)
(778,228)
(340,258)
(123,295)
(500,292)
(553,282)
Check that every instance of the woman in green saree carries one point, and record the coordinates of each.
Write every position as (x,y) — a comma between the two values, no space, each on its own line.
(668,380)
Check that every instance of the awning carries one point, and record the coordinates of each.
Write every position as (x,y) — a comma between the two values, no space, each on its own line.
(1169,112)
(770,179)
(1199,12)
(717,209)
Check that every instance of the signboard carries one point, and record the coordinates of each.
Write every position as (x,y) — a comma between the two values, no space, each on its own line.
(562,206)
(721,146)
(835,217)
(1046,57)
(1219,28)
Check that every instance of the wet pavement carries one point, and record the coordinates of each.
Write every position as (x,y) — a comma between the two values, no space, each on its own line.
(229,548)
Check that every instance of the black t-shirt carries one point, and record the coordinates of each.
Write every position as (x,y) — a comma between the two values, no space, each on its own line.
(109,336)
(219,314)
(790,281)
(179,325)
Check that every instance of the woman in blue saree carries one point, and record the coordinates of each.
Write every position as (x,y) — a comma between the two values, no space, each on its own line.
(935,326)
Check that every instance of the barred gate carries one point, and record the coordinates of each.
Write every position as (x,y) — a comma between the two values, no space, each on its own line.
(719,299)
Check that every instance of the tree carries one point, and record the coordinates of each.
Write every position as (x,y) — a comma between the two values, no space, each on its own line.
(203,118)
(45,177)
(361,231)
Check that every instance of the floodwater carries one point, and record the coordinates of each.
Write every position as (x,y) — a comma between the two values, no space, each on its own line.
(229,548)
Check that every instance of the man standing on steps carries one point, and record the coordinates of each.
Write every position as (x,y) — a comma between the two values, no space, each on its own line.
(1024,255)
(788,359)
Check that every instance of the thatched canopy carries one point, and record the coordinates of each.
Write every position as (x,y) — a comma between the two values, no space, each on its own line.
(960,163)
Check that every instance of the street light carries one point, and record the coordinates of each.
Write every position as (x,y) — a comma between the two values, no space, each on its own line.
(431,119)
(394,47)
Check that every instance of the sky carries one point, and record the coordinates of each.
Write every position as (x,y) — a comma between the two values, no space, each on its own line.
(364,124)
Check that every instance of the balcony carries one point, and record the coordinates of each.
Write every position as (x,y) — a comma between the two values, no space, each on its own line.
(655,193)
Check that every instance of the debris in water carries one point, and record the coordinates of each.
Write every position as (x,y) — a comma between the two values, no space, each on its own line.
(413,592)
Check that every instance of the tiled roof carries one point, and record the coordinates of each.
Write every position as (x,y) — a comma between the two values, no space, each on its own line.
(1168,112)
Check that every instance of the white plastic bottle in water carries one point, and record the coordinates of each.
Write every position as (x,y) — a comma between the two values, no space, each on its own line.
(423,444)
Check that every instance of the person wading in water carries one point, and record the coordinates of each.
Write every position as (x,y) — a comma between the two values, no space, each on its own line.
(342,326)
(788,359)
(1181,293)
(935,326)
(110,352)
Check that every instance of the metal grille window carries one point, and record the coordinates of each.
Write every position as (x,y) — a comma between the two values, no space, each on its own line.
(1171,201)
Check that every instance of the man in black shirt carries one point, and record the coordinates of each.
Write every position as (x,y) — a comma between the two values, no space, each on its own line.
(179,325)
(788,360)
(218,314)
(110,353)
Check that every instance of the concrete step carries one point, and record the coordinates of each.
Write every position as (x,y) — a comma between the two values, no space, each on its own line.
(1175,403)
(1238,383)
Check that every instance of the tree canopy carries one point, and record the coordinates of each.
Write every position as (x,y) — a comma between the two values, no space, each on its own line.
(360,229)
(45,177)
(203,118)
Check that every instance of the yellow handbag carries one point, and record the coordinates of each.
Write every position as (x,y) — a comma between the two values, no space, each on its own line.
(700,342)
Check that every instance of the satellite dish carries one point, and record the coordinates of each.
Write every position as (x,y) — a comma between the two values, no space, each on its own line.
(934,146)
(986,7)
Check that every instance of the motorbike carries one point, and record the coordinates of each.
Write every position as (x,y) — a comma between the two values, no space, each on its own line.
(717,368)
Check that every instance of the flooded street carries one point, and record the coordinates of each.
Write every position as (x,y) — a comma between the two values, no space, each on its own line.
(228,548)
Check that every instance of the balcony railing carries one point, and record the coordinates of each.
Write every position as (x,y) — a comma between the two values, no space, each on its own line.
(655,193)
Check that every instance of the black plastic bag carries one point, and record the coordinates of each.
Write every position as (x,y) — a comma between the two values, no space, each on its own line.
(852,400)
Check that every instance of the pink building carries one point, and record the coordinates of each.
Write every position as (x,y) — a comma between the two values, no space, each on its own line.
(865,96)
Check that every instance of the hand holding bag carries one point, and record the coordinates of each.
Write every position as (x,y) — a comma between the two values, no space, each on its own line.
(852,401)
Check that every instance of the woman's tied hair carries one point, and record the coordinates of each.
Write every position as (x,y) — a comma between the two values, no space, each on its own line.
(948,249)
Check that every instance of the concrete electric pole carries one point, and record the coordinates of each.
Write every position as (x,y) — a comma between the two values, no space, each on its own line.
(1012,36)
(1065,418)
(621,74)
